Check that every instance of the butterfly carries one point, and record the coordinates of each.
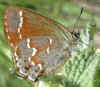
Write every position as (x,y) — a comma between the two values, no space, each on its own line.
(39,44)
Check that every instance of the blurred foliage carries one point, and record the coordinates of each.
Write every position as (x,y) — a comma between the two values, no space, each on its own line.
(82,70)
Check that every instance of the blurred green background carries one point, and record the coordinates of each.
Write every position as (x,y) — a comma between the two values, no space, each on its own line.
(82,70)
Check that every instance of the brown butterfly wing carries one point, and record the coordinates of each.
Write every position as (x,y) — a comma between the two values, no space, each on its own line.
(38,42)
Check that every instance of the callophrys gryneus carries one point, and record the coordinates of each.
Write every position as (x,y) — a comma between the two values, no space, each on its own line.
(40,45)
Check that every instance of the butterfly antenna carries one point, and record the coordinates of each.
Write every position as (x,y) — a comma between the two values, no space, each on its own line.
(79,16)
(76,33)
